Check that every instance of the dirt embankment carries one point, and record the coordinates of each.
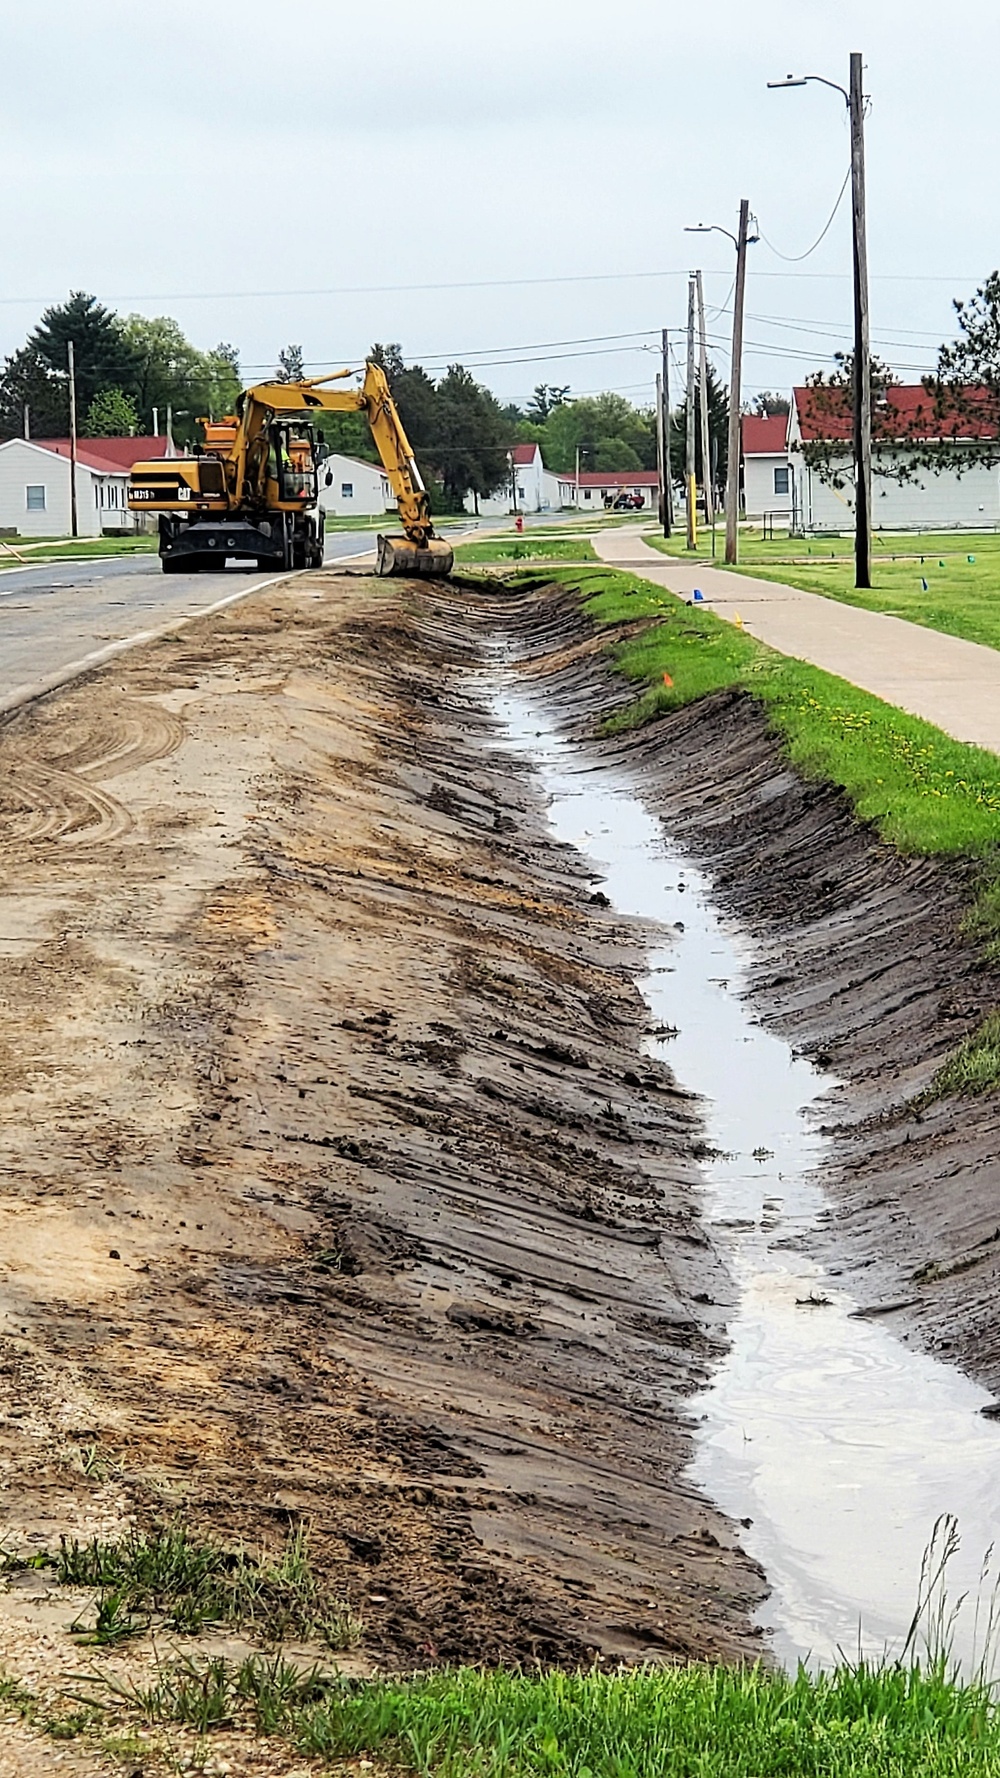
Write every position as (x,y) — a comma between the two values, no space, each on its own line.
(336,1187)
(861,965)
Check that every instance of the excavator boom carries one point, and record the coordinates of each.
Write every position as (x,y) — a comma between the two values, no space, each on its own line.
(254,490)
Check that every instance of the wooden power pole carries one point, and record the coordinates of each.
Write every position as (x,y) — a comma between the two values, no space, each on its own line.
(862,340)
(668,487)
(71,366)
(735,378)
(690,484)
(660,471)
(706,449)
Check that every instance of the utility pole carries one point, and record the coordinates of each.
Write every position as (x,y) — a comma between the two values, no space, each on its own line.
(27,421)
(689,459)
(862,341)
(156,422)
(735,378)
(854,98)
(659,450)
(170,420)
(71,365)
(706,454)
(578,478)
(668,486)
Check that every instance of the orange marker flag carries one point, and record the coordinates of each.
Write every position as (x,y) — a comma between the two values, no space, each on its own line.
(667,679)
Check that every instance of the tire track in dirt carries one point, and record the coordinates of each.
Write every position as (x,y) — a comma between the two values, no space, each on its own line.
(399,1231)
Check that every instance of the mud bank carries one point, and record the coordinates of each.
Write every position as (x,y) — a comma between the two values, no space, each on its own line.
(337,1187)
(861,965)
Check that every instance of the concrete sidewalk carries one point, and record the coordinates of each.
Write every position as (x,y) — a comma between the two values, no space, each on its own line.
(951,683)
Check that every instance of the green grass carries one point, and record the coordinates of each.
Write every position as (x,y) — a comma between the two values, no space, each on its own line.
(519,549)
(166,1578)
(975,1065)
(689,1722)
(962,598)
(924,792)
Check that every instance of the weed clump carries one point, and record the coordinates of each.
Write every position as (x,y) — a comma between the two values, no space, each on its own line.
(165,1578)
(974,1067)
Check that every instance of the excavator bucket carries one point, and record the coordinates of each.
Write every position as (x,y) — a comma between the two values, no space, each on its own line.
(397,555)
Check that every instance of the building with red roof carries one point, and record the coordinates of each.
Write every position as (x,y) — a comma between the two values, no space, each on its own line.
(35,492)
(767,470)
(907,493)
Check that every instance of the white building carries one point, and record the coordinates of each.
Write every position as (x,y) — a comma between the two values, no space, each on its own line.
(351,488)
(35,493)
(767,467)
(903,423)
(530,477)
(599,489)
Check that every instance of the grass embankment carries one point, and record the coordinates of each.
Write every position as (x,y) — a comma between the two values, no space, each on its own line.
(649,1723)
(961,595)
(522,549)
(20,551)
(925,793)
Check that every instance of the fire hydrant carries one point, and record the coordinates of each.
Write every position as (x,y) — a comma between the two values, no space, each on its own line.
(519,524)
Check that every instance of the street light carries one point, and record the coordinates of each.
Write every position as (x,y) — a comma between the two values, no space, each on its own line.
(740,241)
(855,102)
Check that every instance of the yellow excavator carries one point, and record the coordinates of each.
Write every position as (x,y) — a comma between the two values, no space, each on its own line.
(252,491)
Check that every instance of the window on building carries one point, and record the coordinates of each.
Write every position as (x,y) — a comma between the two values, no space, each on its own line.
(347,490)
(586,493)
(35,500)
(781,474)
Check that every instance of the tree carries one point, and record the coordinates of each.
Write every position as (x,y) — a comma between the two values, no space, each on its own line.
(546,398)
(965,389)
(171,373)
(472,437)
(291,367)
(607,424)
(766,404)
(104,357)
(27,381)
(831,405)
(111,414)
(718,431)
(613,454)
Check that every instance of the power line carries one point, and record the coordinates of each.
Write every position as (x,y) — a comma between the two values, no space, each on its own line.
(795,258)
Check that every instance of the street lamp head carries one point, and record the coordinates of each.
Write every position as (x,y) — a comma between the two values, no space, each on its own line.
(699,228)
(789,80)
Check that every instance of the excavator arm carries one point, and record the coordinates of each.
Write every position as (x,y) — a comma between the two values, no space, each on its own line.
(419,551)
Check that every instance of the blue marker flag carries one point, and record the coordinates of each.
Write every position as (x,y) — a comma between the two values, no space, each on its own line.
(699,596)
(924,584)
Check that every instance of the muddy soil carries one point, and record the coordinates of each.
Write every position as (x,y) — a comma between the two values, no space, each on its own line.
(861,964)
(336,1187)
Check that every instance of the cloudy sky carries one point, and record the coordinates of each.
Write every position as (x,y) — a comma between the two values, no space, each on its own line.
(505,185)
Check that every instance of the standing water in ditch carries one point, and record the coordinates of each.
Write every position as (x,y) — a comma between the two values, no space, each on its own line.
(838,1444)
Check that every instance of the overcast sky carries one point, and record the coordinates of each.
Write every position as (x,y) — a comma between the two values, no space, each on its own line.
(481,182)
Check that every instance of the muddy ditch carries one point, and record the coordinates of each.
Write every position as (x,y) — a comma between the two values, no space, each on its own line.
(344,1183)
(841,1429)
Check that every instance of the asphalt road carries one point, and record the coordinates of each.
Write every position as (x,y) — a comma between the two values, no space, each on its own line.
(58,614)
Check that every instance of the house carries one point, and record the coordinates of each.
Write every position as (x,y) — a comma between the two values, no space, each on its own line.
(904,424)
(531,479)
(35,494)
(351,488)
(599,488)
(767,467)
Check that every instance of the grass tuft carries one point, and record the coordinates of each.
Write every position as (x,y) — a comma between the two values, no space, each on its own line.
(975,1065)
(166,1578)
